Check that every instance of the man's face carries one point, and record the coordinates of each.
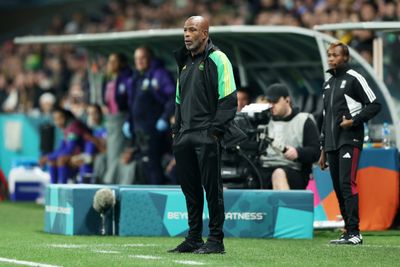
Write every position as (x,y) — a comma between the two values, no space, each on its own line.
(280,108)
(142,60)
(194,35)
(336,57)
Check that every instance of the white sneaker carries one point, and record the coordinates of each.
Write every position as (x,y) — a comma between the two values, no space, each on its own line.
(352,240)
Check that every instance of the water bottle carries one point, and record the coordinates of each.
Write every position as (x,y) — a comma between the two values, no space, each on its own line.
(367,138)
(385,135)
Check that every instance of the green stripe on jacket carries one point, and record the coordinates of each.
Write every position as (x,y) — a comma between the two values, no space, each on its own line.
(226,81)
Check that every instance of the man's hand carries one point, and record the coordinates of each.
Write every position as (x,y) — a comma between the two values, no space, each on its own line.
(322,160)
(291,153)
(345,124)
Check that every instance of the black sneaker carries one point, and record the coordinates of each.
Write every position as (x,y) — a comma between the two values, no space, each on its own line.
(352,240)
(187,246)
(211,247)
(340,239)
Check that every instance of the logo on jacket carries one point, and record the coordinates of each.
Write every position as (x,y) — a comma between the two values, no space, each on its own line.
(184,68)
(327,86)
(347,156)
(201,66)
(154,83)
(343,84)
(121,88)
(145,84)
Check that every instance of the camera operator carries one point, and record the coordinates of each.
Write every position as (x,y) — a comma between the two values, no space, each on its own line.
(294,146)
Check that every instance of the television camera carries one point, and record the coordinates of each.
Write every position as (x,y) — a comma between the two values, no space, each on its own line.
(241,162)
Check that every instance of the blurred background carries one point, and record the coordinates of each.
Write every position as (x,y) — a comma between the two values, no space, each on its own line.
(28,71)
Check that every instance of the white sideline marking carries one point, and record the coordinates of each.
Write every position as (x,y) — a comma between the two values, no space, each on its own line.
(107,251)
(190,262)
(27,263)
(100,245)
(139,245)
(67,246)
(145,257)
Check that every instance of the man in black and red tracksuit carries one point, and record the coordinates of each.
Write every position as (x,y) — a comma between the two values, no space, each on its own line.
(205,104)
(348,103)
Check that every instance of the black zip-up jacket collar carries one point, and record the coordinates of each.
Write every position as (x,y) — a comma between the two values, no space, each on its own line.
(346,94)
(220,105)
(339,71)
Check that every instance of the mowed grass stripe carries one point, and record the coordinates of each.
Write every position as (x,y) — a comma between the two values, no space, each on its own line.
(22,238)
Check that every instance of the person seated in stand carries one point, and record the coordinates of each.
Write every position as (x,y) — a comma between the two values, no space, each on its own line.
(59,161)
(295,144)
(93,161)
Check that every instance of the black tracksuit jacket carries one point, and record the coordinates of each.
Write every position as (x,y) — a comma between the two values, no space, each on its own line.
(348,94)
(210,105)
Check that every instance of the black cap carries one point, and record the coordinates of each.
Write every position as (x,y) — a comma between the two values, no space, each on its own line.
(276,91)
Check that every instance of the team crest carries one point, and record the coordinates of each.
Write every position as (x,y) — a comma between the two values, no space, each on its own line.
(343,84)
(154,84)
(201,66)
(121,88)
(145,84)
(184,68)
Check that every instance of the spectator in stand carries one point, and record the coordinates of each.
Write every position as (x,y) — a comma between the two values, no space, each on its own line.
(93,159)
(72,144)
(3,91)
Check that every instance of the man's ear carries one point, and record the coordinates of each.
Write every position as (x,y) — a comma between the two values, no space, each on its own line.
(205,34)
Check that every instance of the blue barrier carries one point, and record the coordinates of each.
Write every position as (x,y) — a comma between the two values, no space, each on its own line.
(30,139)
(161,211)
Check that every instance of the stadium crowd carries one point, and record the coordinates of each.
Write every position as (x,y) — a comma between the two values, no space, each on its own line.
(33,78)
(28,71)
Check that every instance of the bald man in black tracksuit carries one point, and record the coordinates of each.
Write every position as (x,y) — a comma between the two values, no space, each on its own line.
(205,104)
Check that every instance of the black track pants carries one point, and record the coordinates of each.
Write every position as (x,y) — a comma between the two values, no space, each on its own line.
(343,164)
(197,157)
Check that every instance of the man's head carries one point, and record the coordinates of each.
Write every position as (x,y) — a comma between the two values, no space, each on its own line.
(338,54)
(196,34)
(243,99)
(277,95)
(142,58)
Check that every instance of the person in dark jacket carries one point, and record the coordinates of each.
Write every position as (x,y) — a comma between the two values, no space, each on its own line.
(150,107)
(348,103)
(295,146)
(205,104)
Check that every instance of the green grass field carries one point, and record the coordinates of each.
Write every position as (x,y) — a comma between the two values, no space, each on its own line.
(22,238)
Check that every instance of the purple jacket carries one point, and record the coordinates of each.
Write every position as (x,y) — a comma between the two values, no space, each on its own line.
(151,96)
(124,83)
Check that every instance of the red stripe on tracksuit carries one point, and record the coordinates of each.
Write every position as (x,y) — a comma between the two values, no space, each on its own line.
(354,164)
